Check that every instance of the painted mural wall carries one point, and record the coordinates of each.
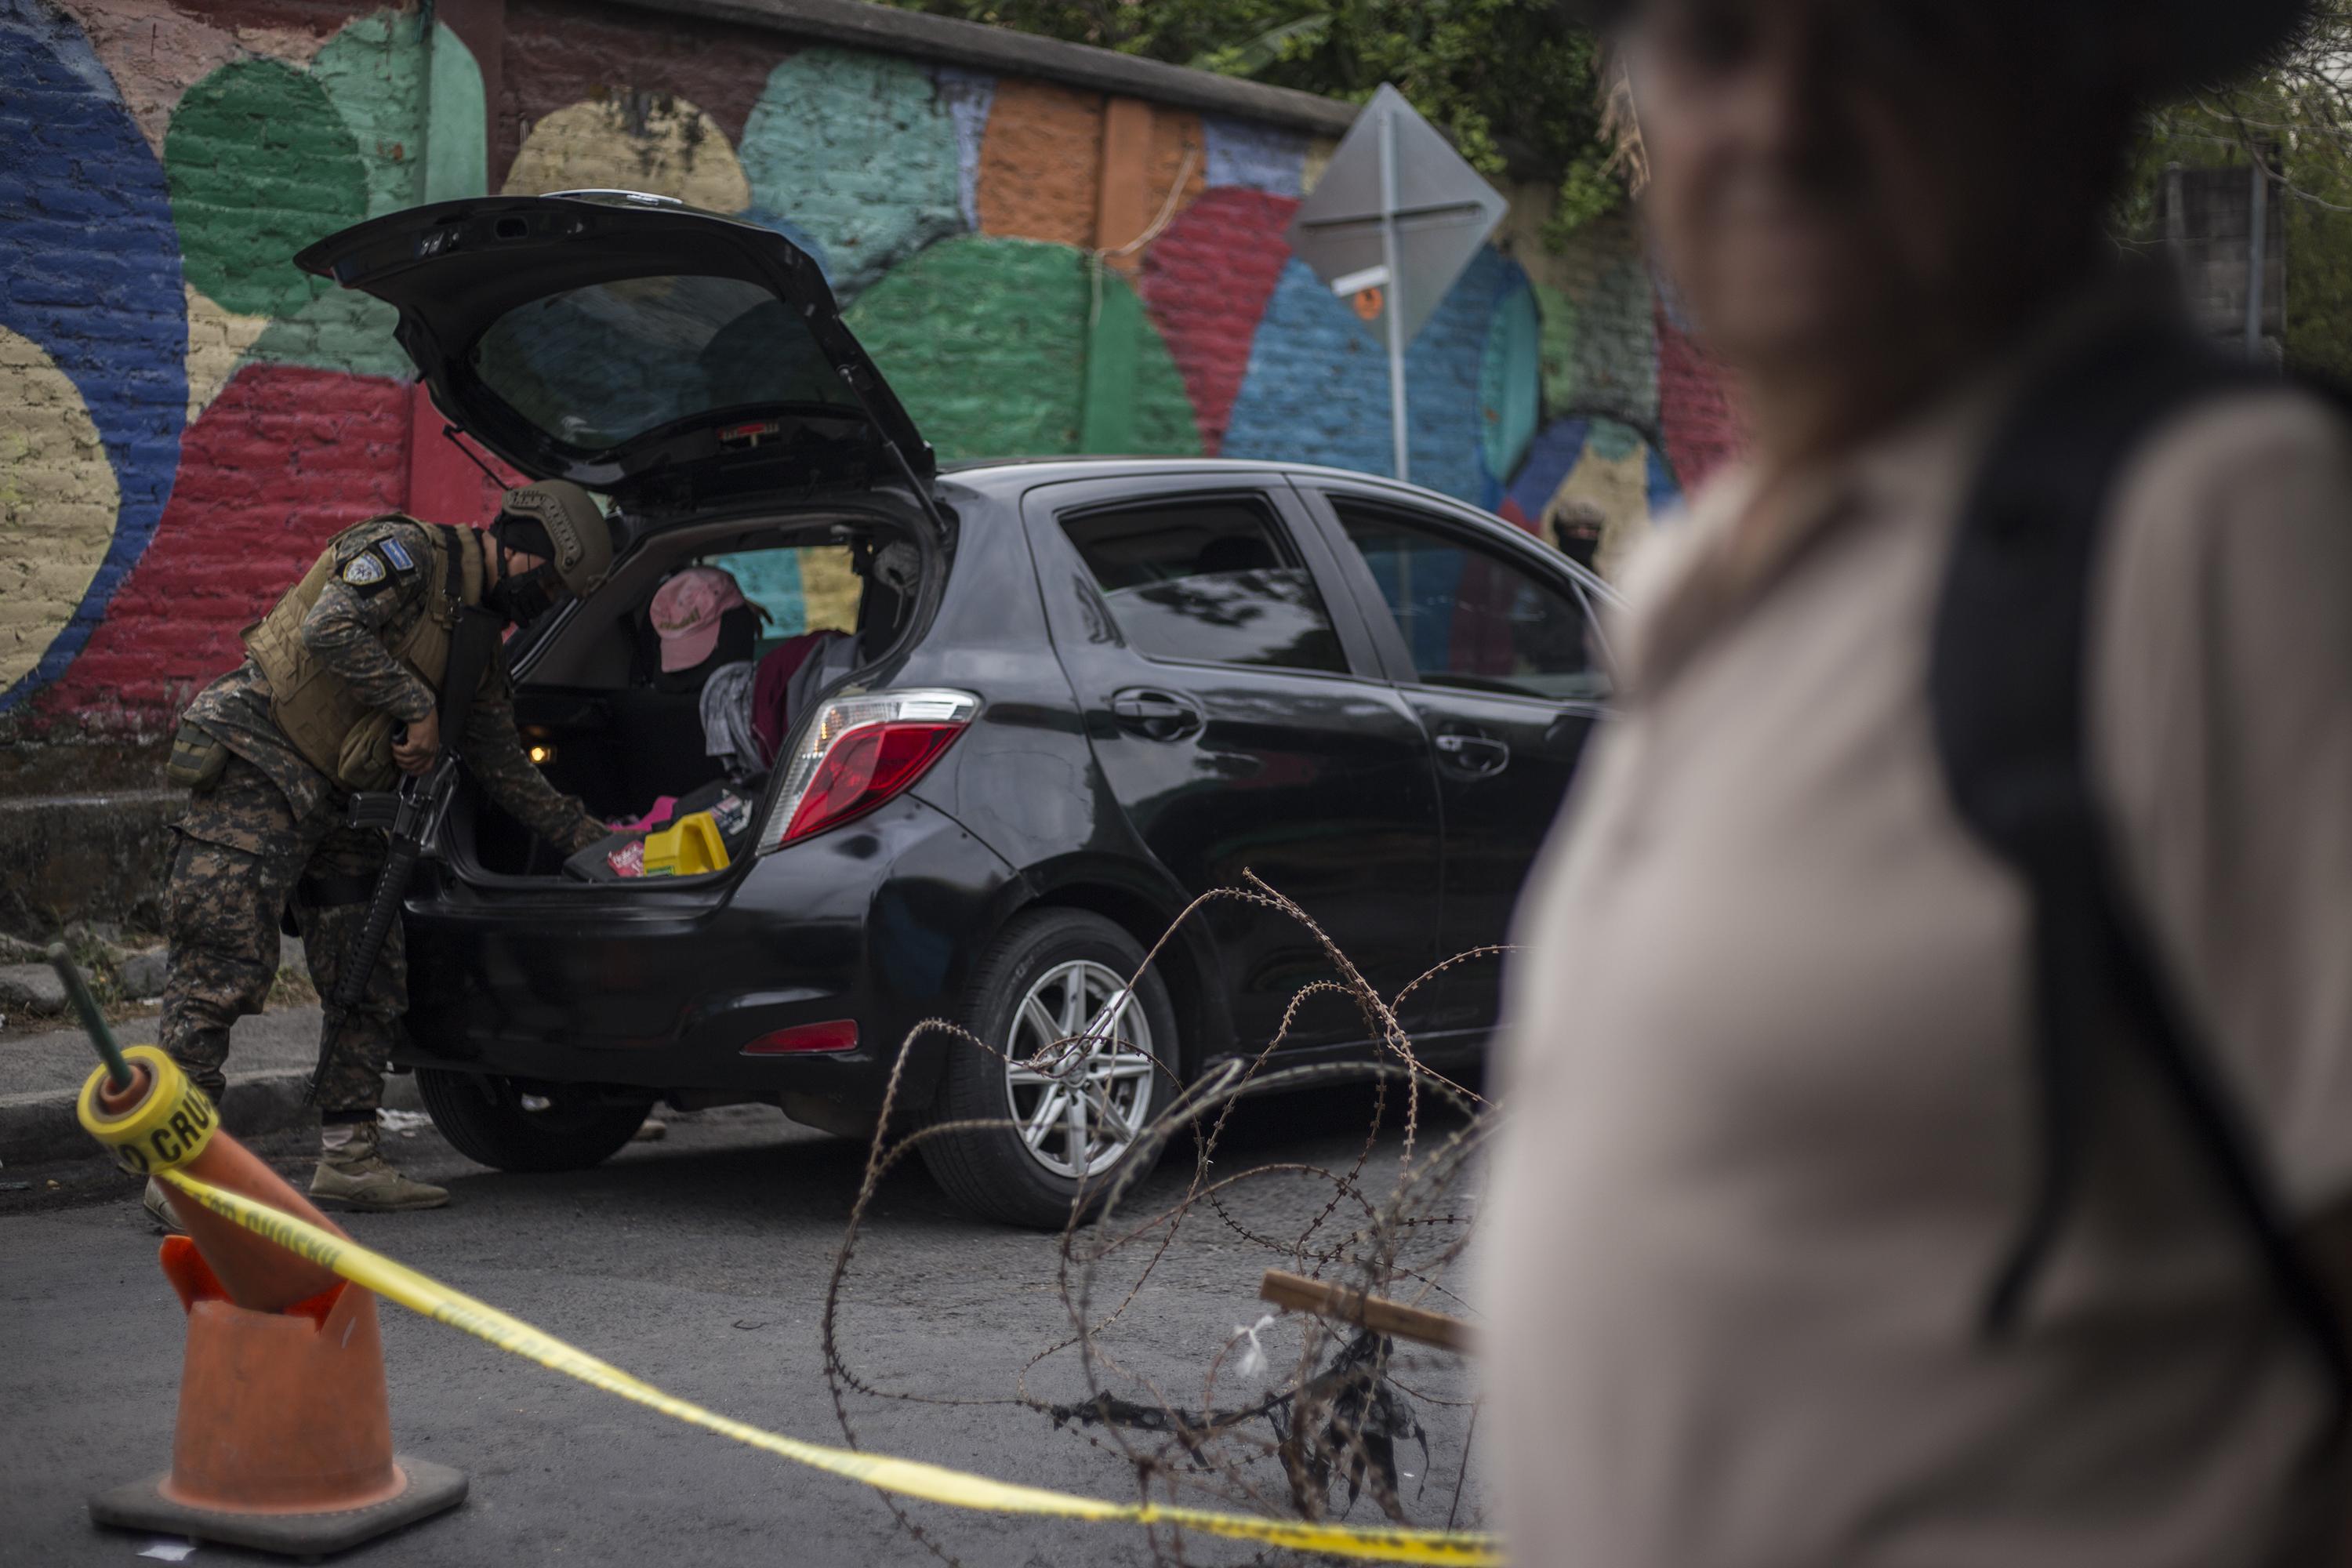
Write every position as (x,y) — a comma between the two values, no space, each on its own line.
(184,417)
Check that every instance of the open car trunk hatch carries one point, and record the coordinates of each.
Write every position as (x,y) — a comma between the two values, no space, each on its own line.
(627,341)
(611,715)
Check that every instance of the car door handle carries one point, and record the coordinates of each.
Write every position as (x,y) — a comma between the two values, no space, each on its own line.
(1156,715)
(1475,755)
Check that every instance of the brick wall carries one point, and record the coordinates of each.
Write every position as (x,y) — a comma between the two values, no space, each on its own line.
(184,417)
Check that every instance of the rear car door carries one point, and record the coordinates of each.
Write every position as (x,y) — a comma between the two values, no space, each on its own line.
(1491,642)
(1243,726)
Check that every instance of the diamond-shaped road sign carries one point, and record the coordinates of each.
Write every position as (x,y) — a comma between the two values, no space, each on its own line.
(1393,221)
(1442,212)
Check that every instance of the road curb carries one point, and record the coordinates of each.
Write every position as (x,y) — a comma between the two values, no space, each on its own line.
(40,1125)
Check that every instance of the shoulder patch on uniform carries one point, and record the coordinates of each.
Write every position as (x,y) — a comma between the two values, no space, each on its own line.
(364,570)
(397,553)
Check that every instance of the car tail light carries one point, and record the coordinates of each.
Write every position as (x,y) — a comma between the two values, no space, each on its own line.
(838,1034)
(858,752)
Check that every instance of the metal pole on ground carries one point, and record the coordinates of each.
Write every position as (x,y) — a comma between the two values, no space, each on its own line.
(101,1034)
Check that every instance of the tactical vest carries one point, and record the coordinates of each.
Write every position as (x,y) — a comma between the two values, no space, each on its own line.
(336,732)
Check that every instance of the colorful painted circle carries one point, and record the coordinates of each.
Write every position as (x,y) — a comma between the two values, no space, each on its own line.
(666,147)
(970,320)
(1318,386)
(1207,278)
(1596,478)
(261,164)
(57,500)
(1511,381)
(374,73)
(237,535)
(88,172)
(859,150)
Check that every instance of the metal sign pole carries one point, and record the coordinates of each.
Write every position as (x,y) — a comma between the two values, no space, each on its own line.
(2257,264)
(1396,218)
(1395,314)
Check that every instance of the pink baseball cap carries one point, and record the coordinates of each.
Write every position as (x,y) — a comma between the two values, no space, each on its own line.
(686,612)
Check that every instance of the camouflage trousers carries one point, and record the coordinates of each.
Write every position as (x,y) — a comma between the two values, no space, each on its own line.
(241,857)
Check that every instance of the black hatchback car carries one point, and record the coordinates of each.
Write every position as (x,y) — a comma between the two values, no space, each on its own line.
(1050,703)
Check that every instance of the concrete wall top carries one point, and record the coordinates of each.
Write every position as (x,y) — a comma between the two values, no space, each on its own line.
(977,45)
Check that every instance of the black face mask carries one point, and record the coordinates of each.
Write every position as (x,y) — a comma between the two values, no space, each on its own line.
(523,598)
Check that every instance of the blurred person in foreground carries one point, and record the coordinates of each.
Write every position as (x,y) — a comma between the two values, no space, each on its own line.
(1775,1118)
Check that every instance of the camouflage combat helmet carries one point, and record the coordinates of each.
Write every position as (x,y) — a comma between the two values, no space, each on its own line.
(579,540)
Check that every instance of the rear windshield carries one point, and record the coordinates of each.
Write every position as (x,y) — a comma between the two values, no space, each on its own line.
(596,367)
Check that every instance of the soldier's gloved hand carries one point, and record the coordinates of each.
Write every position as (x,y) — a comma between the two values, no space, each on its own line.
(414,751)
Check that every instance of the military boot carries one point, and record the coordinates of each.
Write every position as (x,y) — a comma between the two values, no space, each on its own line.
(352,1174)
(158,1204)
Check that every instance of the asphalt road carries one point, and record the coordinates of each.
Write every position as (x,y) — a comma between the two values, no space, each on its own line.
(699,1263)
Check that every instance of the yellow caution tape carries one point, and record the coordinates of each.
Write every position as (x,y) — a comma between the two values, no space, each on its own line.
(170,1127)
(907,1478)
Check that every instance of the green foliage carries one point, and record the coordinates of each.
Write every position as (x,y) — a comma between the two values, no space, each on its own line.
(2319,278)
(2306,141)
(1591,188)
(1515,90)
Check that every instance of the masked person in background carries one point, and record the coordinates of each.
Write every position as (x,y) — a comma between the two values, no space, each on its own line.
(1900,1171)
(340,690)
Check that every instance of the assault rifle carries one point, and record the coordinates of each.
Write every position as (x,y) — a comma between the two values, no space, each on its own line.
(404,814)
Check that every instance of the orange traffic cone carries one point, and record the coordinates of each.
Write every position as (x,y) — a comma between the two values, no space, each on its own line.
(284,1439)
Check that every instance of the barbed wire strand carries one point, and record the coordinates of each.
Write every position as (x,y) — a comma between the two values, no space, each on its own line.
(1342,1412)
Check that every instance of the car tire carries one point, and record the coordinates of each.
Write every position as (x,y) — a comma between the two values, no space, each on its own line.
(487,1121)
(992,1172)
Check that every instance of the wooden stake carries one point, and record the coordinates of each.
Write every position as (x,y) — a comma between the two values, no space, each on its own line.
(1378,1313)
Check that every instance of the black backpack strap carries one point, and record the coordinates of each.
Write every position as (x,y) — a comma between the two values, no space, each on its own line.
(2007,679)
(452,565)
(471,645)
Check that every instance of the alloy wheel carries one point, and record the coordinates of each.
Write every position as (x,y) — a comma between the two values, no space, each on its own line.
(1080,1070)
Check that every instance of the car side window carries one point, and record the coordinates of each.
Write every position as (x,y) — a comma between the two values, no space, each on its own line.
(1210,579)
(1473,618)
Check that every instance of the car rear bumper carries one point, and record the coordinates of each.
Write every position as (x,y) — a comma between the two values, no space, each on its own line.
(664,988)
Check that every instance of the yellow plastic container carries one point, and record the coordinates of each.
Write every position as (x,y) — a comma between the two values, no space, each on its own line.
(687,848)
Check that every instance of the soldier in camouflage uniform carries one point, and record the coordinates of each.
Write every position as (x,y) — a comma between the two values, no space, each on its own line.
(264,830)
